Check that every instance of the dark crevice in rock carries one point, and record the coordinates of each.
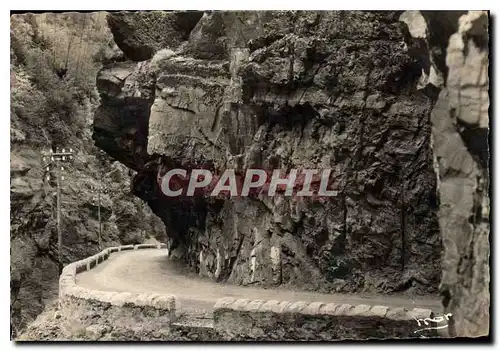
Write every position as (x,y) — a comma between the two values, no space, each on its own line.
(476,141)
(442,25)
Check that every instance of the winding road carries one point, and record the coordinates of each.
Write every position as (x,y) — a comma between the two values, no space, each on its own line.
(151,271)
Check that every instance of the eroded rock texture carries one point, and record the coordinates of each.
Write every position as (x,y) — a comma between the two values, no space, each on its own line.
(284,89)
(460,132)
(460,145)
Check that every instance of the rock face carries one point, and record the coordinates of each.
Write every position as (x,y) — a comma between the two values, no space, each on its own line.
(33,235)
(283,89)
(460,143)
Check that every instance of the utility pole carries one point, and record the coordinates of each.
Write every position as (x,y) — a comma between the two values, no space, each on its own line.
(55,158)
(58,220)
(99,214)
(101,189)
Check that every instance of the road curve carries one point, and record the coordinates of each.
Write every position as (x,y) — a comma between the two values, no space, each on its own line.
(151,271)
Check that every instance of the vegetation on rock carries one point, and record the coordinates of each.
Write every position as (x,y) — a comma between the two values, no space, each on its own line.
(51,108)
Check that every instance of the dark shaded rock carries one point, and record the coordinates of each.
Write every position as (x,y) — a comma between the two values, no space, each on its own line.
(122,121)
(207,40)
(140,34)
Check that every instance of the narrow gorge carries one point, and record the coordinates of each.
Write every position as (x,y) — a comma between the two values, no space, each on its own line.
(394,102)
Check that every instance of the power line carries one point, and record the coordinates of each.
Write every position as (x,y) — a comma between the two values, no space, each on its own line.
(70,39)
(101,189)
(80,47)
(54,41)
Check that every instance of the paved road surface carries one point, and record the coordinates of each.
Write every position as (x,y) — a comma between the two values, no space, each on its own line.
(151,271)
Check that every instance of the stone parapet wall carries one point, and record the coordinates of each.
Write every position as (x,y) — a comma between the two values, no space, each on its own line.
(242,319)
(126,316)
(121,315)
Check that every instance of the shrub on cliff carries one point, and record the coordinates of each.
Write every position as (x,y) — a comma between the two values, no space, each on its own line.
(52,71)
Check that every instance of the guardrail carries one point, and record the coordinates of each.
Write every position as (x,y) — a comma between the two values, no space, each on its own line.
(243,319)
(131,316)
(149,316)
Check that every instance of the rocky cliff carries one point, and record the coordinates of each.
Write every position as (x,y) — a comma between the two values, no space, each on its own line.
(460,131)
(47,112)
(282,89)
